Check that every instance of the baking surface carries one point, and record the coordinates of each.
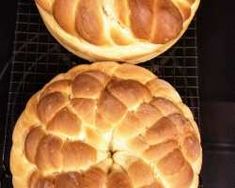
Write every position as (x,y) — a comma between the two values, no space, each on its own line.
(37,58)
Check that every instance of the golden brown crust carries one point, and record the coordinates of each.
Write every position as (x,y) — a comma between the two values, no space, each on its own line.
(89,21)
(153,185)
(50,104)
(65,14)
(46,4)
(172,163)
(129,126)
(62,86)
(161,131)
(85,86)
(65,122)
(141,17)
(158,151)
(191,147)
(122,9)
(70,180)
(94,178)
(129,92)
(48,157)
(85,109)
(78,155)
(169,22)
(31,143)
(119,179)
(140,173)
(97,126)
(110,107)
(123,30)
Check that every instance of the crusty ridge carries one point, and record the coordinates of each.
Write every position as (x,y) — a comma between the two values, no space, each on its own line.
(98,125)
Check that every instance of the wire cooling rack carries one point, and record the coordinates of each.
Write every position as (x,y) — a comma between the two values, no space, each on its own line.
(37,58)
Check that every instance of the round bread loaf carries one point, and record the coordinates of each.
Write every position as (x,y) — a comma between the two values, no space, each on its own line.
(106,125)
(117,30)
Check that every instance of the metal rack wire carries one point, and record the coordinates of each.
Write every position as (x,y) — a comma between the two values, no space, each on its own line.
(37,58)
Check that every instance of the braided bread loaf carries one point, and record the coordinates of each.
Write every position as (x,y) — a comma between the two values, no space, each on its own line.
(106,125)
(122,30)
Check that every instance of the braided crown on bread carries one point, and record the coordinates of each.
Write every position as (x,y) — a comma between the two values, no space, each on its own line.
(122,30)
(106,125)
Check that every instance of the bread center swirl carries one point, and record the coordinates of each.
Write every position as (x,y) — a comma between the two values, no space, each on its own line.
(109,126)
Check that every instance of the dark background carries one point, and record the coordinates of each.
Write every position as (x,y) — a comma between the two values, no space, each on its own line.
(217,74)
(216,39)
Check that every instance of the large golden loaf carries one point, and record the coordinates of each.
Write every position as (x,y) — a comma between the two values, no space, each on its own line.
(106,125)
(117,30)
